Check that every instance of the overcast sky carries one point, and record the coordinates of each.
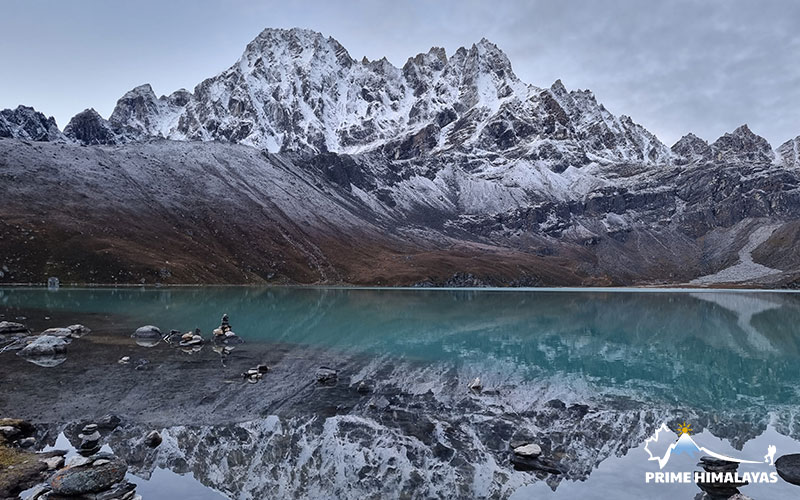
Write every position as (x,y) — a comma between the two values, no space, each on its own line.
(675,67)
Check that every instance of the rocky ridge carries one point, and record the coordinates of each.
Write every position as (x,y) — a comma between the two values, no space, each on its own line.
(449,156)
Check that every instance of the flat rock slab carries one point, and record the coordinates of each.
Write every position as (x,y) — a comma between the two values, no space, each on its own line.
(80,480)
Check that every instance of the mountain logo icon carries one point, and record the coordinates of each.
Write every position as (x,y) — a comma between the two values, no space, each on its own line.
(686,444)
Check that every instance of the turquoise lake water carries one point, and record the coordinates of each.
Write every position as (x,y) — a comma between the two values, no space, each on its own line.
(727,359)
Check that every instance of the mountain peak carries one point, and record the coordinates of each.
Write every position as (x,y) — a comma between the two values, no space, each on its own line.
(293,46)
(24,122)
(89,128)
(742,145)
(692,148)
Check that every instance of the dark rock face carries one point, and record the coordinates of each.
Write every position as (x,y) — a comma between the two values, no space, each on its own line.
(443,151)
(26,123)
(789,153)
(89,128)
(692,148)
(742,145)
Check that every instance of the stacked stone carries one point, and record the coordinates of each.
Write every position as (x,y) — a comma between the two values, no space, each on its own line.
(90,440)
(719,490)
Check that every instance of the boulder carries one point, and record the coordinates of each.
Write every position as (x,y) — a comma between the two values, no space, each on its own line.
(147,336)
(11,327)
(87,478)
(44,345)
(788,467)
(58,332)
(78,331)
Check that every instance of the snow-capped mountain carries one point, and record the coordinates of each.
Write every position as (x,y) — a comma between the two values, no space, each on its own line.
(26,123)
(295,90)
(533,185)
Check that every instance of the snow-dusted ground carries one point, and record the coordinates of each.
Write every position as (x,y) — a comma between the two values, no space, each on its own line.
(745,269)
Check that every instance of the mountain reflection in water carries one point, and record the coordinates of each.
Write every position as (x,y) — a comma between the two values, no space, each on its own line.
(587,374)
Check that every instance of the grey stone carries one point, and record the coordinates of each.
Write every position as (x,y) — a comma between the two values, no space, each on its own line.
(11,327)
(44,345)
(528,450)
(74,480)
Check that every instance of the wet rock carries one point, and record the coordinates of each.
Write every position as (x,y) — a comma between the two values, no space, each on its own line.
(153,439)
(173,336)
(58,332)
(189,339)
(45,350)
(788,467)
(78,331)
(8,327)
(363,388)
(83,479)
(262,368)
(141,364)
(124,360)
(147,336)
(326,375)
(228,339)
(44,345)
(528,450)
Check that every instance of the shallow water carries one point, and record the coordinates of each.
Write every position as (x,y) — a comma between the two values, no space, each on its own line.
(589,374)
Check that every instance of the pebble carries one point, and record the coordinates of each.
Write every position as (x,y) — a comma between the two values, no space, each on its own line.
(124,360)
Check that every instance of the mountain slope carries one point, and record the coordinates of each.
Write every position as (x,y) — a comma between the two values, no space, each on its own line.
(301,164)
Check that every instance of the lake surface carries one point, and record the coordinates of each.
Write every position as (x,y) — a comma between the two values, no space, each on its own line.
(588,375)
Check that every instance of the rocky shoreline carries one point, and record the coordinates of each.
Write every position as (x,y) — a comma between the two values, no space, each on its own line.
(292,415)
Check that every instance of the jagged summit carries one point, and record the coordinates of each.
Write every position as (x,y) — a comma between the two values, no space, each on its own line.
(692,148)
(742,145)
(297,90)
(88,127)
(24,122)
